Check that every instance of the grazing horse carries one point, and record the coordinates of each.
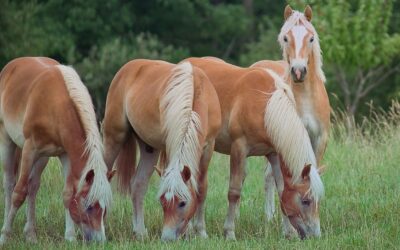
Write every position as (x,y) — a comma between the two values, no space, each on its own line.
(259,118)
(302,69)
(47,111)
(164,108)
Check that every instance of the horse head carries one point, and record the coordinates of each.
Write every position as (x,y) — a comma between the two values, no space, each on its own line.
(89,216)
(179,205)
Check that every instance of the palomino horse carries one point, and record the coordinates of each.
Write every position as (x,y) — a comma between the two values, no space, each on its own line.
(259,118)
(47,111)
(302,69)
(169,108)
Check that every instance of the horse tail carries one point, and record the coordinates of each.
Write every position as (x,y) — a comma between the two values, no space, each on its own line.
(126,164)
(288,134)
(182,128)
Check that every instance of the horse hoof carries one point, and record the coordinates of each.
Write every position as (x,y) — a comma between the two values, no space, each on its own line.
(141,236)
(31,238)
(70,238)
(202,234)
(3,239)
(230,235)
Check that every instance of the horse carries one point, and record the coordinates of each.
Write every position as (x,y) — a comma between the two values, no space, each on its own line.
(165,108)
(259,118)
(47,111)
(302,69)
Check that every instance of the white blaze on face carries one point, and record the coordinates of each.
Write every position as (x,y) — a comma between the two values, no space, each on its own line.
(299,32)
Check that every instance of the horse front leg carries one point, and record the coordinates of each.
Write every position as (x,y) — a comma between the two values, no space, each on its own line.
(288,230)
(199,218)
(33,186)
(70,233)
(237,174)
(139,185)
(269,187)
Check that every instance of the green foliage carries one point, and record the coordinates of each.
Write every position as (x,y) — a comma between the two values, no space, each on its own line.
(360,34)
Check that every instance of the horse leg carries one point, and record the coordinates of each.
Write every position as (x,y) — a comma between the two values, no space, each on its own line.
(237,172)
(269,187)
(33,186)
(70,234)
(287,228)
(139,184)
(199,219)
(10,156)
(20,190)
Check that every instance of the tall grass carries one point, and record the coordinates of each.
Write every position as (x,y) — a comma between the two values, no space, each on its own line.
(360,210)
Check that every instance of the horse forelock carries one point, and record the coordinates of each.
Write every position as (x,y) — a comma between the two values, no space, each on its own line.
(100,189)
(172,184)
(298,18)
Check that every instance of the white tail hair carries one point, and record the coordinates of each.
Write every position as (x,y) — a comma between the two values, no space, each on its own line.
(289,136)
(181,127)
(100,189)
(298,18)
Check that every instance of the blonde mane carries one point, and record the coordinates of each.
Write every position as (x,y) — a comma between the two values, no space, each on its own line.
(289,136)
(298,18)
(181,127)
(100,189)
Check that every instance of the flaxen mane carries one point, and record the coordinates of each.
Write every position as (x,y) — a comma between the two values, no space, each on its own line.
(181,127)
(298,18)
(289,136)
(101,189)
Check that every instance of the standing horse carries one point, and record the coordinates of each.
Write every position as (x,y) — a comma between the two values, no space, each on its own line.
(169,108)
(259,119)
(302,69)
(47,111)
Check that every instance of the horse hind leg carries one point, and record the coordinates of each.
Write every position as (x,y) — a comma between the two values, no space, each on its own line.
(33,186)
(139,185)
(20,190)
(10,156)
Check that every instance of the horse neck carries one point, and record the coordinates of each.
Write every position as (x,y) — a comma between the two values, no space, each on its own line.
(75,150)
(310,89)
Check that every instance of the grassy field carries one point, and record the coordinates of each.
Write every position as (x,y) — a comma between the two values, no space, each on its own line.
(361,208)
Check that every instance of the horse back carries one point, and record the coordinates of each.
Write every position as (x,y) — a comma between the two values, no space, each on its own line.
(35,101)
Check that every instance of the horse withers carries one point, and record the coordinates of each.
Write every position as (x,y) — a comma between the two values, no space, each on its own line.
(47,111)
(164,108)
(259,118)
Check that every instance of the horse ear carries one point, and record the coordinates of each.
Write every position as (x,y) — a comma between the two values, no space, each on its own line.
(306,171)
(288,12)
(186,173)
(308,13)
(110,174)
(321,170)
(89,177)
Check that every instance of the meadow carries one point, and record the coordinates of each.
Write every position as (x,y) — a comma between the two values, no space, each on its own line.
(360,209)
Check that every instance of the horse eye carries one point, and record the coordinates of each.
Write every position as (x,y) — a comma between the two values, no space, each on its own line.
(306,202)
(312,39)
(285,39)
(89,209)
(181,204)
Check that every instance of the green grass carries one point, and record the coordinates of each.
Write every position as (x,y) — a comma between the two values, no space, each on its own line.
(360,209)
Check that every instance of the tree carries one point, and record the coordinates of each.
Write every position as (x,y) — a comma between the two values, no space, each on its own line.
(357,46)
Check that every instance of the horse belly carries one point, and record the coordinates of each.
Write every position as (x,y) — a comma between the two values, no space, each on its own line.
(15,132)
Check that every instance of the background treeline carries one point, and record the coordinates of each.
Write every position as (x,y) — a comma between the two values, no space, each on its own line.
(359,38)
